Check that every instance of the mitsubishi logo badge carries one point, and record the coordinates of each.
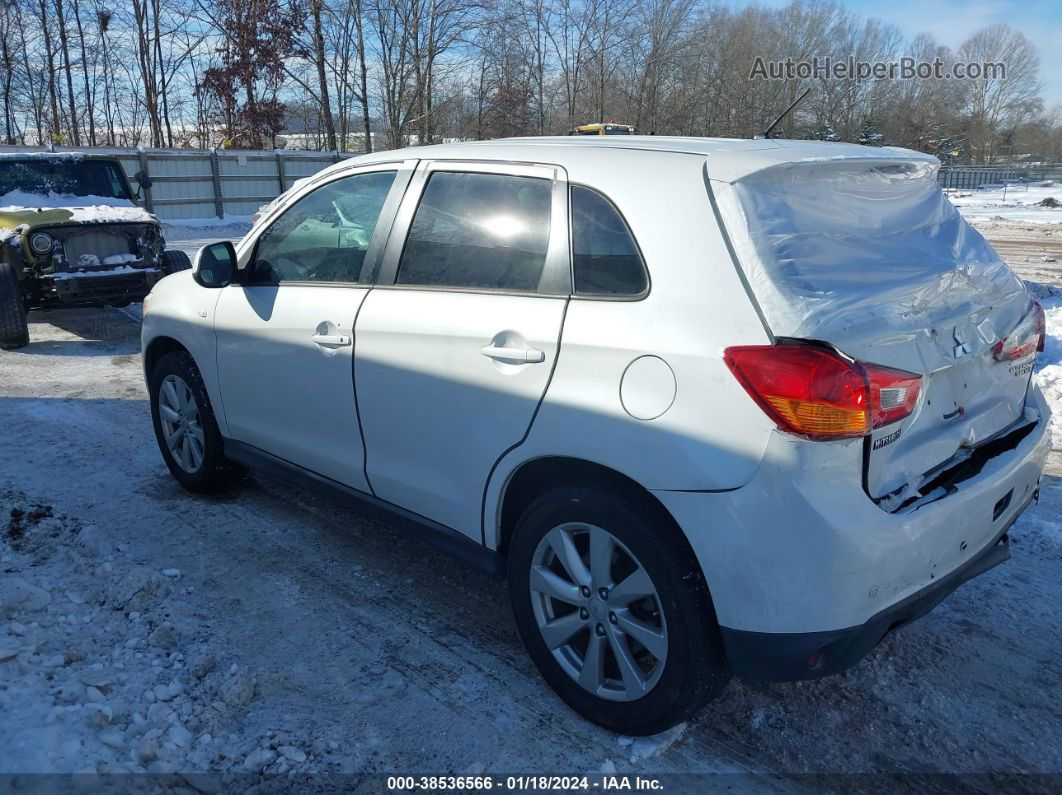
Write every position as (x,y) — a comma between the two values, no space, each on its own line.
(961,348)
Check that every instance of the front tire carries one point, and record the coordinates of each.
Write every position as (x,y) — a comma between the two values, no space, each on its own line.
(614,609)
(185,428)
(14,330)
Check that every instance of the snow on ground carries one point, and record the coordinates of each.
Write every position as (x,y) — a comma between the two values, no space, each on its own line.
(190,236)
(143,628)
(1049,363)
(266,630)
(1028,237)
(1023,202)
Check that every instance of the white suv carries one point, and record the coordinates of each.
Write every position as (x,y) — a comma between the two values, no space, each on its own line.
(711,406)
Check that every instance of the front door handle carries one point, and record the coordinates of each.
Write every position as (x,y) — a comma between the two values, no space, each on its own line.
(513,355)
(338,340)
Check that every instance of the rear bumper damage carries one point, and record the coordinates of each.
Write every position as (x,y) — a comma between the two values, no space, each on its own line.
(790,657)
(808,574)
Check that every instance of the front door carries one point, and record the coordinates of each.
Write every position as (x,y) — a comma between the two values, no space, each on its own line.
(285,335)
(457,342)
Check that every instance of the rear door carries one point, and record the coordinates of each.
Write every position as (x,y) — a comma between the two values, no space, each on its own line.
(285,334)
(456,343)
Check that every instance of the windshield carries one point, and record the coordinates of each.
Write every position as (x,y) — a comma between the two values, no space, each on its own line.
(65,177)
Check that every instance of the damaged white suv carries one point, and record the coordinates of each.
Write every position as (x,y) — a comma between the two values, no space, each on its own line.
(711,406)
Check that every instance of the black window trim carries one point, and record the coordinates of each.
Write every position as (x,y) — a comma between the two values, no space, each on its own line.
(404,170)
(571,246)
(387,277)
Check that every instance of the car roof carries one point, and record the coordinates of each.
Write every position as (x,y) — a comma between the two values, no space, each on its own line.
(729,159)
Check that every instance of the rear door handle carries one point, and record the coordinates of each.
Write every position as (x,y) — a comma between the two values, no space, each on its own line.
(513,355)
(338,340)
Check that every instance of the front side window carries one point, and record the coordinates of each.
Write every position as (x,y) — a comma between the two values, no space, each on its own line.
(479,231)
(606,259)
(324,236)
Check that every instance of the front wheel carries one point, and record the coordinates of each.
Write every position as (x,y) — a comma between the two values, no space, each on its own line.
(14,330)
(614,610)
(185,428)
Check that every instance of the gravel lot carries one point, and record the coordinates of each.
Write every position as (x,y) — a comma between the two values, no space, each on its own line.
(145,629)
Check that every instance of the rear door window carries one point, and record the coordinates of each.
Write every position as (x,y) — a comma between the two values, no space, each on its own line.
(479,231)
(606,259)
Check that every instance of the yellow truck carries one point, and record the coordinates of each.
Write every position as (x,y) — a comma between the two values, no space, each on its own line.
(72,234)
(606,128)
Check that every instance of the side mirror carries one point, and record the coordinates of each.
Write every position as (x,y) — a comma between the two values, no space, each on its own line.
(143,180)
(215,265)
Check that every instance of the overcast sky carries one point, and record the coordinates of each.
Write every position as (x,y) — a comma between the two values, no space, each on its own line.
(951,21)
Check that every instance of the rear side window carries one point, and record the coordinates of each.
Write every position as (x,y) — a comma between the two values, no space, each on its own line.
(324,236)
(478,231)
(606,259)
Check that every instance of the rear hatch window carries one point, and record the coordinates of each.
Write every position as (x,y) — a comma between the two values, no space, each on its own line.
(871,257)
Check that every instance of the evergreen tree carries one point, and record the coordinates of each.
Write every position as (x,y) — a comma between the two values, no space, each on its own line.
(868,134)
(823,131)
(950,149)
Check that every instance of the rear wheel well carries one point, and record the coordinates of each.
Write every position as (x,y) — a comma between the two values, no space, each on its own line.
(538,476)
(158,348)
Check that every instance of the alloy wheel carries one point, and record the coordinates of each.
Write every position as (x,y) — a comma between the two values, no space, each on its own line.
(598,611)
(182,427)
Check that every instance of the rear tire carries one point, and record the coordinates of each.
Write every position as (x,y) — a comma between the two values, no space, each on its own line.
(654,694)
(14,330)
(174,260)
(185,428)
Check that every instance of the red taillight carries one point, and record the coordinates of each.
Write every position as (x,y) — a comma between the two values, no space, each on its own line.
(1026,339)
(816,393)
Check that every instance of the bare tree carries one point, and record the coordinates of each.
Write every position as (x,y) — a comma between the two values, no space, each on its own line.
(327,73)
(9,21)
(996,103)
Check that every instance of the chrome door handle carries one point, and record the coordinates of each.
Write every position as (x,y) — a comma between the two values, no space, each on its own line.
(331,339)
(513,355)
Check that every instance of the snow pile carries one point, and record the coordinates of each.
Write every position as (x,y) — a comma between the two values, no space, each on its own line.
(18,200)
(1049,363)
(111,213)
(83,209)
(92,261)
(1025,202)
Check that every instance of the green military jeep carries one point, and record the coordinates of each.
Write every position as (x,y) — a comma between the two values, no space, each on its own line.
(71,234)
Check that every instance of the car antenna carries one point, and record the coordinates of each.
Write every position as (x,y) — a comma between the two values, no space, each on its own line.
(767,132)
